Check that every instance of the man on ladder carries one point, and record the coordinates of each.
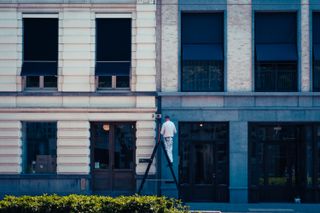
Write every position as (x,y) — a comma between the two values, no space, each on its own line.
(168,130)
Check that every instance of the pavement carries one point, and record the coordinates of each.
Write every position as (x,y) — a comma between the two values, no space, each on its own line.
(254,208)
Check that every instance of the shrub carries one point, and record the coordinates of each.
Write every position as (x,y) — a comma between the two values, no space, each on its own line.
(90,204)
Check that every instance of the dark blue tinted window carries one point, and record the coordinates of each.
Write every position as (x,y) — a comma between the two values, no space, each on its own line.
(202,28)
(276,53)
(113,42)
(40,39)
(316,51)
(275,27)
(40,147)
(202,52)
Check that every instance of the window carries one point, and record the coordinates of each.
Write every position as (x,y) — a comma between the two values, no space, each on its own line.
(202,52)
(40,147)
(40,52)
(275,52)
(316,51)
(113,53)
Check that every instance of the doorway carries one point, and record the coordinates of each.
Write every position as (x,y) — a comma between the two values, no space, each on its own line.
(203,166)
(113,157)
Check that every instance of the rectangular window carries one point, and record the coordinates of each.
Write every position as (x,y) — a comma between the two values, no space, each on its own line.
(202,52)
(40,52)
(113,52)
(316,51)
(40,147)
(276,52)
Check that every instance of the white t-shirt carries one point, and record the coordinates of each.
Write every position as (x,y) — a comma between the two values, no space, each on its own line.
(168,129)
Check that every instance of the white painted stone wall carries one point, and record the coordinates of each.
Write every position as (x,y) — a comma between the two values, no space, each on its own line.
(73,136)
(10,49)
(76,74)
(73,147)
(169,46)
(10,146)
(305,47)
(76,50)
(76,67)
(239,46)
(145,47)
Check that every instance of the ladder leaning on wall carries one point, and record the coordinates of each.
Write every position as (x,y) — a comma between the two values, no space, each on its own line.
(150,161)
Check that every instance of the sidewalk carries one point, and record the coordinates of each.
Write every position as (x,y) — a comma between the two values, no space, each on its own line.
(256,207)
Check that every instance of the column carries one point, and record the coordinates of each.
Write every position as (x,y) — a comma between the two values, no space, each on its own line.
(238,162)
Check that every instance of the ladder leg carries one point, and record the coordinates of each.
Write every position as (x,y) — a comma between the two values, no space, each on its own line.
(170,166)
(148,168)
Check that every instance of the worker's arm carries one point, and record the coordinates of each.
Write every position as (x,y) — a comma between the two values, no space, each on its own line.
(162,130)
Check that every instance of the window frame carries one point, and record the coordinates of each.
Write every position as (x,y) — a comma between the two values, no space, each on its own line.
(275,63)
(315,63)
(41,77)
(113,77)
(221,63)
(41,84)
(25,154)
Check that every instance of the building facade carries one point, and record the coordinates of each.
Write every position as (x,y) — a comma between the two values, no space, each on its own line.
(78,83)
(239,78)
(82,81)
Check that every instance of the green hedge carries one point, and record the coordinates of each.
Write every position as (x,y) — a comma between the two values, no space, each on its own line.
(89,204)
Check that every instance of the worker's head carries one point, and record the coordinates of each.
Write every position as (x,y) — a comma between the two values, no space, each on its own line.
(167,118)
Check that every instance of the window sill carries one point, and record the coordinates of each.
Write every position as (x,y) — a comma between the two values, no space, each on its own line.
(293,94)
(40,90)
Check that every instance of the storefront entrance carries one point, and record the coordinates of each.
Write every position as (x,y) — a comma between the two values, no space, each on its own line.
(283,162)
(113,157)
(203,166)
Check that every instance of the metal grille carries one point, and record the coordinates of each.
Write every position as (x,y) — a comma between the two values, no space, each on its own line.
(202,76)
(276,77)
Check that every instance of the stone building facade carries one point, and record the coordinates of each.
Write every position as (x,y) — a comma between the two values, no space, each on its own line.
(75,107)
(238,78)
(254,166)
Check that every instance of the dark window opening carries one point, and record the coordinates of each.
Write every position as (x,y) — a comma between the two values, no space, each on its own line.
(105,82)
(276,56)
(40,147)
(33,81)
(316,51)
(40,50)
(113,52)
(202,52)
(50,81)
(122,82)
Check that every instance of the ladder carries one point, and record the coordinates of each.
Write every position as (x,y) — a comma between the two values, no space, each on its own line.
(145,177)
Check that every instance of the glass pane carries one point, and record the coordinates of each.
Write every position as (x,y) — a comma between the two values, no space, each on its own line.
(50,81)
(265,76)
(202,76)
(105,82)
(316,75)
(276,77)
(32,81)
(287,77)
(40,147)
(318,153)
(100,142)
(124,146)
(123,82)
(203,163)
(203,146)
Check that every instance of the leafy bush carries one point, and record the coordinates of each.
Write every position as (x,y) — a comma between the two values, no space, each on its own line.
(90,204)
